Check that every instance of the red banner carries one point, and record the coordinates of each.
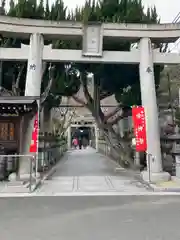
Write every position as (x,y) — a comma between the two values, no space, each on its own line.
(33,145)
(138,117)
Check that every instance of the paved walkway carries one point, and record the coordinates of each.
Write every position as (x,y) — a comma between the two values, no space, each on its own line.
(85,171)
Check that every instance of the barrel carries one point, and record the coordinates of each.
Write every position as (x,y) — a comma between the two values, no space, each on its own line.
(2,168)
(10,164)
(16,162)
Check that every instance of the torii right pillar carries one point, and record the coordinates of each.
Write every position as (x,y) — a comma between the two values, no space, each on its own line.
(148,97)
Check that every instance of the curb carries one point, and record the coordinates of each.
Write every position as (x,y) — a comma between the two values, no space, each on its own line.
(80,194)
(165,189)
(154,188)
(135,176)
(45,177)
(41,181)
(146,184)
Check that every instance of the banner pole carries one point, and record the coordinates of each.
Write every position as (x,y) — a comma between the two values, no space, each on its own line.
(37,144)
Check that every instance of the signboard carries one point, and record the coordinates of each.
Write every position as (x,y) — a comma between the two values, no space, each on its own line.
(138,117)
(34,140)
(92,40)
(32,67)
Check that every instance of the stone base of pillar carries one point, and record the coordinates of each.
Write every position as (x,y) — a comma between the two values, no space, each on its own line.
(24,177)
(155,177)
(137,159)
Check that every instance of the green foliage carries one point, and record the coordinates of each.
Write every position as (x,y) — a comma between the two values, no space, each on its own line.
(113,78)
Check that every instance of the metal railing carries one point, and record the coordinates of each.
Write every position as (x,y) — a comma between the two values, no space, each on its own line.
(10,171)
(107,150)
(150,158)
(48,157)
(104,148)
(172,166)
(34,166)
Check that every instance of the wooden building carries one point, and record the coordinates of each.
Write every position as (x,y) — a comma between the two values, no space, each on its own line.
(14,115)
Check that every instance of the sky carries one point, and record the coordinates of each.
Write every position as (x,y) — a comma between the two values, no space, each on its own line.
(167,9)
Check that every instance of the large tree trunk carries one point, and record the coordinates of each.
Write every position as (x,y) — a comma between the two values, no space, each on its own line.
(47,125)
(120,146)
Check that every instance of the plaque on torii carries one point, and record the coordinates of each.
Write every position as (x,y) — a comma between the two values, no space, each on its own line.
(92,40)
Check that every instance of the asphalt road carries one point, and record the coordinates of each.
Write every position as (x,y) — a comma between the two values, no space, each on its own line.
(90,218)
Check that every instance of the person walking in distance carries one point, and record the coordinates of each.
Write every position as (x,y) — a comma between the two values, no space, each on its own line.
(80,143)
(75,142)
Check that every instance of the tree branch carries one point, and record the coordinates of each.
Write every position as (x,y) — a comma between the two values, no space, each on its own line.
(19,76)
(45,94)
(114,111)
(119,117)
(44,65)
(5,91)
(69,121)
(120,144)
(79,100)
(85,89)
(104,95)
(15,85)
(63,121)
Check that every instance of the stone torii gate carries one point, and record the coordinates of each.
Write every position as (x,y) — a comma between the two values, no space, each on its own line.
(93,36)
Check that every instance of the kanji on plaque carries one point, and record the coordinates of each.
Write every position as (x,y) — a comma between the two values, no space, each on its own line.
(138,117)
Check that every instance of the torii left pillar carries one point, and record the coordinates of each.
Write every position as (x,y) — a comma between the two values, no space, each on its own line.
(34,68)
(32,89)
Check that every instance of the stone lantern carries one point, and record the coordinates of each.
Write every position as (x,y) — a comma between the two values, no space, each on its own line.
(175,139)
